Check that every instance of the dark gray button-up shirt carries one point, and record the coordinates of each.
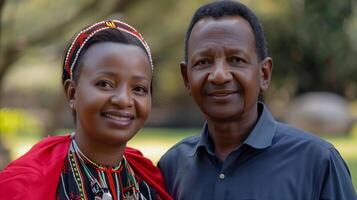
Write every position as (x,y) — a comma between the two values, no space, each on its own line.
(275,162)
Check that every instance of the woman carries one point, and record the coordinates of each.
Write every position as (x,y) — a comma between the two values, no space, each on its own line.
(107,77)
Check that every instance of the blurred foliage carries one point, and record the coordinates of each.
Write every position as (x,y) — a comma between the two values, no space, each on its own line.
(19,130)
(313,45)
(17,122)
(311,42)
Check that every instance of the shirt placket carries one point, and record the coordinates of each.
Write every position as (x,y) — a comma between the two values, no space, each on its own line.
(220,186)
(222,179)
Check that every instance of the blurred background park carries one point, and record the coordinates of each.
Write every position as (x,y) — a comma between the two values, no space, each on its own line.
(314,83)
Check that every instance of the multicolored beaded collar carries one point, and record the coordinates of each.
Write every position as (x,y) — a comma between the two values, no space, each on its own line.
(99,187)
(82,38)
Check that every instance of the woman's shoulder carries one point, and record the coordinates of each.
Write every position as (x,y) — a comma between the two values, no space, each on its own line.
(133,151)
(43,162)
(47,150)
(136,158)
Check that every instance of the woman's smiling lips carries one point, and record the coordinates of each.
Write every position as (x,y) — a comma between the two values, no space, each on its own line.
(120,119)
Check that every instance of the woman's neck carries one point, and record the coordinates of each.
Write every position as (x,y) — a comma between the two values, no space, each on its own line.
(100,154)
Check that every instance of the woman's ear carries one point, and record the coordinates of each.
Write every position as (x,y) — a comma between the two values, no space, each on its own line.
(70,91)
(266,68)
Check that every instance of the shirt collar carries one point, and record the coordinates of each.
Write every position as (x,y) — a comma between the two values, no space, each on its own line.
(259,138)
(203,142)
(262,134)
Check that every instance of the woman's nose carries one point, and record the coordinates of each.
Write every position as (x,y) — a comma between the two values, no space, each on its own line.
(122,98)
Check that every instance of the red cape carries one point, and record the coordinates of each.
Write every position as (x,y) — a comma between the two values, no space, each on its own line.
(36,174)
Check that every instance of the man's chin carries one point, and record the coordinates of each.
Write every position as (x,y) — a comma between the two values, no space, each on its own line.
(222,116)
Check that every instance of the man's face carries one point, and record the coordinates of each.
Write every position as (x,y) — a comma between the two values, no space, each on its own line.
(223,73)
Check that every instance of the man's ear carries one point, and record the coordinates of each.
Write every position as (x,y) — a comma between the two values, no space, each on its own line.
(266,68)
(183,67)
(70,91)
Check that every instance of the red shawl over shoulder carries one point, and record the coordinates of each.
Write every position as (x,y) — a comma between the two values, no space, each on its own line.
(35,175)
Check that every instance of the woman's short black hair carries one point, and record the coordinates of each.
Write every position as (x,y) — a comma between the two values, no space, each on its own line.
(221,9)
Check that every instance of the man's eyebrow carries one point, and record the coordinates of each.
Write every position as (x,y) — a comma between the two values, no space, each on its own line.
(230,49)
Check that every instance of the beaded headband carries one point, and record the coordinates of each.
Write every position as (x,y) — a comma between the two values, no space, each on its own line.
(82,38)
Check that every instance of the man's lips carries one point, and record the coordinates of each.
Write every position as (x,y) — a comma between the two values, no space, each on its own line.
(221,93)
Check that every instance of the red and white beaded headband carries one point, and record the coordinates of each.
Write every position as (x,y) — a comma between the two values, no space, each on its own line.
(82,38)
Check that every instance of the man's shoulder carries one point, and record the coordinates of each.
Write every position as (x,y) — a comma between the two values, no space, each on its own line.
(186,144)
(182,148)
(295,135)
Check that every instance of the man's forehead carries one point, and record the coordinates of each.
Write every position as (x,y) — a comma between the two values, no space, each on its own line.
(230,24)
(224,28)
(219,19)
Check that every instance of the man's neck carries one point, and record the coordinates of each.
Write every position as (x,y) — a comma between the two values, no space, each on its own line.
(228,135)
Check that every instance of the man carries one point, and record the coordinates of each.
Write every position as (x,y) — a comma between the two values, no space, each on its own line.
(243,152)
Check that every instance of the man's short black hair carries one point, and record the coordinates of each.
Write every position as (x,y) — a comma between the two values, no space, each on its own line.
(230,8)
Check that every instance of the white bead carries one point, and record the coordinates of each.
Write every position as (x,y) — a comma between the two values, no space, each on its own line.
(222,176)
(107,196)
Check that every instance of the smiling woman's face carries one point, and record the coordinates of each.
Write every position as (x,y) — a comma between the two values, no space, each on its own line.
(112,98)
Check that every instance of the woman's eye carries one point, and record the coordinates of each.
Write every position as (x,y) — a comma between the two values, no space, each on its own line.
(104,84)
(140,90)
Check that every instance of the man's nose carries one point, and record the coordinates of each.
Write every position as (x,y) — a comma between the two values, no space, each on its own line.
(220,73)
(122,98)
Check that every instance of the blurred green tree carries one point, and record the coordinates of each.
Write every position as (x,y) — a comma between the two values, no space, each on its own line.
(41,22)
(310,44)
(307,40)
(29,25)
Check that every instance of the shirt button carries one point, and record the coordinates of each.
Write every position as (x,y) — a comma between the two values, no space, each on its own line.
(222,176)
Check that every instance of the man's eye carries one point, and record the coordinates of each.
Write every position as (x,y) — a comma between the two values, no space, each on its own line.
(236,60)
(104,84)
(202,62)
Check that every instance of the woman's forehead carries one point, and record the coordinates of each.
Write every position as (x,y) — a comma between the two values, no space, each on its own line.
(116,57)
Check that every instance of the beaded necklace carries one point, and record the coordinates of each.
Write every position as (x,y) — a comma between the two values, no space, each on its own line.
(99,186)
